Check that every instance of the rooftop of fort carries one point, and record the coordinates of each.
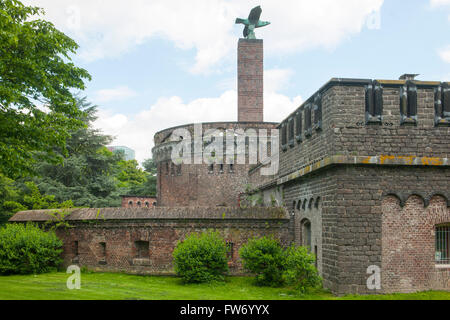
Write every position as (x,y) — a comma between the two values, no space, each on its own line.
(163,135)
(155,213)
(362,83)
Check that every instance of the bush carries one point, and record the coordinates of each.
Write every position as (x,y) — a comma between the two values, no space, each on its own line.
(265,258)
(201,258)
(300,270)
(28,249)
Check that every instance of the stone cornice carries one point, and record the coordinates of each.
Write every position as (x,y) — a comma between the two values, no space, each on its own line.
(382,160)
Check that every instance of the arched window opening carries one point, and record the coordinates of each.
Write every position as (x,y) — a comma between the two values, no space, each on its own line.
(306,234)
(317,204)
(311,201)
(139,204)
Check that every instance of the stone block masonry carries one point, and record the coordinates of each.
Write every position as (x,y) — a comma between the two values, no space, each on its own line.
(250,80)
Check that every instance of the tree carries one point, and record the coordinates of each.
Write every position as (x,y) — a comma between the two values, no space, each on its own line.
(9,199)
(150,166)
(88,172)
(37,78)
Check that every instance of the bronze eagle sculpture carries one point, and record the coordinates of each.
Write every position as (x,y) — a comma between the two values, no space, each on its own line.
(252,23)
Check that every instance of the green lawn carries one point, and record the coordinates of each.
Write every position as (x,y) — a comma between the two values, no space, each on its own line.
(114,286)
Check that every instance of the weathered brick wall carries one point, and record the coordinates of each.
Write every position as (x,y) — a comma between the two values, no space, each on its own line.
(399,159)
(352,136)
(138,202)
(358,200)
(408,244)
(344,131)
(194,184)
(317,146)
(250,80)
(162,235)
(320,189)
(105,239)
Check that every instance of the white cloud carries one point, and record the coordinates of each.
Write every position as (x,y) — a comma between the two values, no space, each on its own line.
(110,28)
(116,94)
(437,3)
(137,131)
(445,54)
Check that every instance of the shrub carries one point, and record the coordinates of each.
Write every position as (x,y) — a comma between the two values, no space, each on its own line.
(28,249)
(201,258)
(265,258)
(300,271)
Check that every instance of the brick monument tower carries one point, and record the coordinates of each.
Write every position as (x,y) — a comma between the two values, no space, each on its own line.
(250,80)
(251,70)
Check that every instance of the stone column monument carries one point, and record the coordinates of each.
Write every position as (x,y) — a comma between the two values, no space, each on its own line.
(251,70)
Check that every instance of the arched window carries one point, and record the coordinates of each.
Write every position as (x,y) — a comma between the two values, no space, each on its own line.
(299,205)
(130,203)
(147,204)
(306,234)
(317,204)
(139,204)
(311,201)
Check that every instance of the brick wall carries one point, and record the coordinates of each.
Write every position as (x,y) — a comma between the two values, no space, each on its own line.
(344,131)
(138,202)
(408,244)
(195,184)
(250,80)
(389,158)
(107,240)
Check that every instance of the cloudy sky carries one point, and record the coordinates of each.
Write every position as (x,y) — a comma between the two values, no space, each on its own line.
(161,63)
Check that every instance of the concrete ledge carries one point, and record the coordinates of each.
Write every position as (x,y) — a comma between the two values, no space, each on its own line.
(158,213)
(382,160)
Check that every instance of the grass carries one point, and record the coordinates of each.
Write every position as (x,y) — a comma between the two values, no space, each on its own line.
(116,286)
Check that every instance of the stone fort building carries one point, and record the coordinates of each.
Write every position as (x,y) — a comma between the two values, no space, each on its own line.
(363,181)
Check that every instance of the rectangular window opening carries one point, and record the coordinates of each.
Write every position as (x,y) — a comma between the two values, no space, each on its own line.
(318,112)
(142,249)
(291,132)
(442,104)
(374,103)
(308,121)
(443,245)
(299,127)
(284,137)
(408,104)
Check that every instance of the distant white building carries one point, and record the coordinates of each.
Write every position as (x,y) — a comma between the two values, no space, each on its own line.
(130,154)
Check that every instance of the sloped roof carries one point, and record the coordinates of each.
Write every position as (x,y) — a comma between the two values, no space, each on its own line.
(159,213)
